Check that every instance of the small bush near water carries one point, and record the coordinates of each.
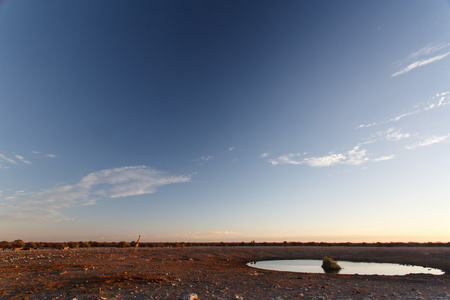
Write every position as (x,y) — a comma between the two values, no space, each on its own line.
(329,265)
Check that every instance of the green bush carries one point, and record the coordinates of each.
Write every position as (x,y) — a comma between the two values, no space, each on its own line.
(329,265)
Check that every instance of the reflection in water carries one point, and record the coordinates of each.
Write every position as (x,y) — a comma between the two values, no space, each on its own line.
(348,267)
(331,271)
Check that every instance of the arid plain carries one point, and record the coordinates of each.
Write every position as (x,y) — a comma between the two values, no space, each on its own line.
(213,273)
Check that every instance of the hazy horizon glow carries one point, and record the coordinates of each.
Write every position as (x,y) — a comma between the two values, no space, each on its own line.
(225,121)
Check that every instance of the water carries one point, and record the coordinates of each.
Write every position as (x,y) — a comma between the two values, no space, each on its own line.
(348,267)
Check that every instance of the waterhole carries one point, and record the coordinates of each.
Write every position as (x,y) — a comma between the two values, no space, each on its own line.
(348,267)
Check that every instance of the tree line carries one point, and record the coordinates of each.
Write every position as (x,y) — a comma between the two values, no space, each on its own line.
(20,244)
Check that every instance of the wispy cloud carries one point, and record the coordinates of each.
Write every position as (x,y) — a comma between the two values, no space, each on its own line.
(367,125)
(355,156)
(325,161)
(401,116)
(428,141)
(203,159)
(45,204)
(291,159)
(15,159)
(438,101)
(428,50)
(358,155)
(5,159)
(384,158)
(48,155)
(22,159)
(395,135)
(206,157)
(416,60)
(420,63)
(264,155)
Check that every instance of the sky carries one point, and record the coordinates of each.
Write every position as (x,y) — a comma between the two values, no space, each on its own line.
(323,121)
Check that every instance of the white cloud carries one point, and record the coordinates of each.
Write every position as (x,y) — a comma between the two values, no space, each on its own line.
(354,156)
(428,141)
(231,149)
(366,125)
(22,159)
(439,100)
(427,50)
(325,161)
(420,63)
(399,117)
(358,156)
(443,100)
(384,158)
(48,155)
(16,159)
(396,135)
(206,157)
(264,155)
(110,183)
(289,159)
(7,159)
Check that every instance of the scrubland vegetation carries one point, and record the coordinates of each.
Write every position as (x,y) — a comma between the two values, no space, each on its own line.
(20,244)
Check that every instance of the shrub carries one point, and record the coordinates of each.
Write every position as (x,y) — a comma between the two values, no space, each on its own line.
(5,244)
(329,265)
(123,244)
(30,245)
(62,246)
(85,245)
(18,244)
(74,244)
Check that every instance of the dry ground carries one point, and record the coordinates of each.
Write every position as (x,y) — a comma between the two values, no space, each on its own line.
(212,273)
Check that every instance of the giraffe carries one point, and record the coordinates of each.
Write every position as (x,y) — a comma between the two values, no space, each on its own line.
(137,243)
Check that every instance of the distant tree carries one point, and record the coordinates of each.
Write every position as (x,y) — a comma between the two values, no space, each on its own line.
(62,246)
(74,244)
(123,244)
(85,244)
(5,244)
(30,245)
(18,244)
(94,243)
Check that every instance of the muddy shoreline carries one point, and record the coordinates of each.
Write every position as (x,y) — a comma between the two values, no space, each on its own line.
(213,273)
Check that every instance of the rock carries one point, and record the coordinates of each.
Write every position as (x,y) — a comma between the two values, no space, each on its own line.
(190,296)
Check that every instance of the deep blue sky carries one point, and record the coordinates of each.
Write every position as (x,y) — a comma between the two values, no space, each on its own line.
(224,120)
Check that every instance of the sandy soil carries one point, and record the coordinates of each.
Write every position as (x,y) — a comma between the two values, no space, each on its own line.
(212,273)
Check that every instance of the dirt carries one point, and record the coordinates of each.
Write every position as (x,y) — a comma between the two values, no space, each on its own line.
(213,273)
